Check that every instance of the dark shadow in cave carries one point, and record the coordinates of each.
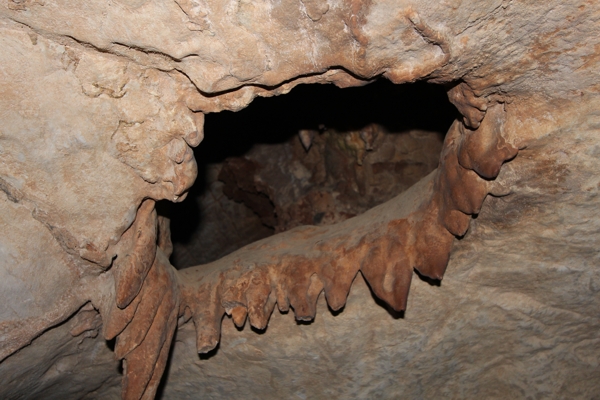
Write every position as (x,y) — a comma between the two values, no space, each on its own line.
(431,281)
(274,120)
(211,353)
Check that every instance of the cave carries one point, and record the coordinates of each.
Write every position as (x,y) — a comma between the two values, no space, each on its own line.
(247,188)
(299,199)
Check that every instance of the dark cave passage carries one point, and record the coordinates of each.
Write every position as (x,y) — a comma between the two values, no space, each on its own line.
(275,119)
(255,178)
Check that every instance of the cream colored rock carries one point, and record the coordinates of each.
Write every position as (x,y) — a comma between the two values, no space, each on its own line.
(101,101)
(515,317)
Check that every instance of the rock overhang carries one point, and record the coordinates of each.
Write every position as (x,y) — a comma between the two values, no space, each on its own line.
(517,69)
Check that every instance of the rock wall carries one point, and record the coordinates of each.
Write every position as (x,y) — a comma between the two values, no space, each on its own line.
(101,103)
(515,316)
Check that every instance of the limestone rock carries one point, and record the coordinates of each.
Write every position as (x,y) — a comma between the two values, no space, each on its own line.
(101,103)
(516,315)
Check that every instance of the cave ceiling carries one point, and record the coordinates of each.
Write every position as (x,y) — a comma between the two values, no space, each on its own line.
(102,104)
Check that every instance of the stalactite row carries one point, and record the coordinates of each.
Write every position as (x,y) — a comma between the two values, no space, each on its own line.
(413,231)
(142,314)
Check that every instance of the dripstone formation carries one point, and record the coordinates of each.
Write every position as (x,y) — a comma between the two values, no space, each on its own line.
(101,104)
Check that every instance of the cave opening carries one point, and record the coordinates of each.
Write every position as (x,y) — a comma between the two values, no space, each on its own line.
(315,156)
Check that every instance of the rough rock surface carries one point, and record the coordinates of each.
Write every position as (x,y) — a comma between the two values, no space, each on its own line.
(515,317)
(70,361)
(101,102)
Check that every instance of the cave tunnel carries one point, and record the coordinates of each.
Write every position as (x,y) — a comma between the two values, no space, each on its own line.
(240,210)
